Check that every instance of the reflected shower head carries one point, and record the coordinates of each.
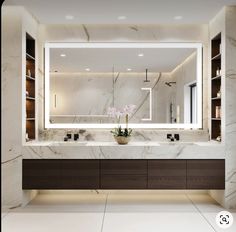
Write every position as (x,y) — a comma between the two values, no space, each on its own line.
(146,80)
(170,83)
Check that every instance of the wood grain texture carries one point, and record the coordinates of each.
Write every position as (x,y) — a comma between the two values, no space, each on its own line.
(123,181)
(205,174)
(60,174)
(166,174)
(124,167)
(123,174)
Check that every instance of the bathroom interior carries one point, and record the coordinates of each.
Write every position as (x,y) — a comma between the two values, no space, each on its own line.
(118,116)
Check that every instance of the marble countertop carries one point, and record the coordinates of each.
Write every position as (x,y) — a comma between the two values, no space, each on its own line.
(114,144)
(133,150)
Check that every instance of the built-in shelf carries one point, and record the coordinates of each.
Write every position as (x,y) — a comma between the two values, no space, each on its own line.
(30,98)
(28,56)
(30,78)
(218,119)
(216,77)
(30,88)
(30,119)
(216,81)
(217,57)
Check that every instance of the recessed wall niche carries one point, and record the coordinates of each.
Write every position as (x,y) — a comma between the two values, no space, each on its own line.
(216,92)
(30,88)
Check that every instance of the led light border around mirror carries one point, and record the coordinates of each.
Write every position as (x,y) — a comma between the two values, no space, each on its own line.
(197,46)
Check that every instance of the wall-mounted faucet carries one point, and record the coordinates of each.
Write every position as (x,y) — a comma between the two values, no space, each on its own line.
(69,136)
(173,138)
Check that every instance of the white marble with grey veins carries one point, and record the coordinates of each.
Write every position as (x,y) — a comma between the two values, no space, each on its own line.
(230,120)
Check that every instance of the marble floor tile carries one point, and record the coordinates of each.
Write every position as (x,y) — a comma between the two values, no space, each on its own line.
(210,217)
(153,222)
(149,203)
(116,212)
(52,222)
(205,203)
(70,203)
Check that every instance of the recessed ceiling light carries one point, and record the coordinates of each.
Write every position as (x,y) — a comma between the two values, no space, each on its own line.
(87,69)
(129,69)
(122,17)
(69,17)
(141,54)
(178,17)
(63,55)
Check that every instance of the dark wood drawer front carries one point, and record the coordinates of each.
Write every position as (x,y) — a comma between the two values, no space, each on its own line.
(124,167)
(123,182)
(205,174)
(80,174)
(167,174)
(41,174)
(60,174)
(123,174)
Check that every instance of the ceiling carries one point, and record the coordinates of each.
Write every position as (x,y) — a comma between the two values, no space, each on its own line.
(129,11)
(103,59)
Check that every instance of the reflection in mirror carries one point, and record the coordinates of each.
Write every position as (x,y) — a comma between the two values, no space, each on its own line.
(162,82)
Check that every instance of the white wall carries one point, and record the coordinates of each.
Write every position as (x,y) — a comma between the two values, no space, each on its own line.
(15,22)
(230,108)
(224,22)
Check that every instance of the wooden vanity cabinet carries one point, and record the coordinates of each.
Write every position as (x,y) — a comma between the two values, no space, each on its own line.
(123,174)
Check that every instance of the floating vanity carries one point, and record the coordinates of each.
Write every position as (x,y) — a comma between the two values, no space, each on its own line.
(123,174)
(138,165)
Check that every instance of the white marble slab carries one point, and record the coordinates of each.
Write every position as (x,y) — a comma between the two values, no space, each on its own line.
(114,144)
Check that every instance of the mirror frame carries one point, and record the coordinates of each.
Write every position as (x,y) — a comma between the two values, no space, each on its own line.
(48,45)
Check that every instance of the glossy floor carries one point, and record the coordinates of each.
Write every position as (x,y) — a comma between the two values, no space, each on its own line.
(131,211)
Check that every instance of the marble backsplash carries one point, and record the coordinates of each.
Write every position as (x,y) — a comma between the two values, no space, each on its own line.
(105,135)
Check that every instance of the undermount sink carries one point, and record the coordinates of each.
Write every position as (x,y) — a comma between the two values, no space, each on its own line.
(70,143)
(176,143)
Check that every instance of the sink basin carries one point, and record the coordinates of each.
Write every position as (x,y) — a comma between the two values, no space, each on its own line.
(176,143)
(73,143)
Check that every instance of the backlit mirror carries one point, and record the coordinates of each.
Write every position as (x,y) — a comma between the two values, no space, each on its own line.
(162,80)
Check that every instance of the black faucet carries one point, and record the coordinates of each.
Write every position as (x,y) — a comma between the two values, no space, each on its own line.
(173,138)
(76,136)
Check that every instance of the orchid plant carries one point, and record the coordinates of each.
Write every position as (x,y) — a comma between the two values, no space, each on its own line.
(127,111)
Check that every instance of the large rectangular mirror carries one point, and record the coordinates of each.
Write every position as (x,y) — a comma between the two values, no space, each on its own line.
(163,81)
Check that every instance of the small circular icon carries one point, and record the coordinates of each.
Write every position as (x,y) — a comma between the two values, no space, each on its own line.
(224,219)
